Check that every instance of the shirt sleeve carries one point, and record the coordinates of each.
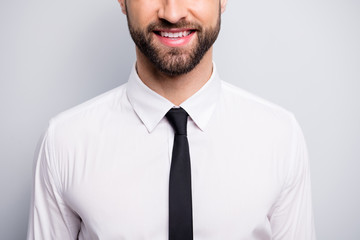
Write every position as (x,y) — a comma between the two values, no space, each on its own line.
(50,217)
(291,217)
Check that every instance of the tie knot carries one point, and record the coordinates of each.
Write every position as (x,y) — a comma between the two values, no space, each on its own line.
(178,120)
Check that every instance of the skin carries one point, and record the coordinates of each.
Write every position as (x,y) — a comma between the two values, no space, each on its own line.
(204,12)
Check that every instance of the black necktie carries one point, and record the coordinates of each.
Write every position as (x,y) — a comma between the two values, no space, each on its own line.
(180,202)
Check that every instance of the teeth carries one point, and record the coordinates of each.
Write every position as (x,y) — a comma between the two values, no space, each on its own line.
(175,34)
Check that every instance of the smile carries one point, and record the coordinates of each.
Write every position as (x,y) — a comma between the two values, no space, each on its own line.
(175,34)
(175,38)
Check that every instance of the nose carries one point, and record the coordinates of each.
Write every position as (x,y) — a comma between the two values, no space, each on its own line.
(173,10)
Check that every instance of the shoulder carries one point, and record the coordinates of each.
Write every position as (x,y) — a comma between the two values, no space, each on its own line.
(256,113)
(251,104)
(88,117)
(263,126)
(94,107)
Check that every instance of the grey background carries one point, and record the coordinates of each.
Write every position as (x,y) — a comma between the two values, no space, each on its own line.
(303,55)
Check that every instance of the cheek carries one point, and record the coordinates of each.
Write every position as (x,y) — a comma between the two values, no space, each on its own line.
(206,11)
(142,12)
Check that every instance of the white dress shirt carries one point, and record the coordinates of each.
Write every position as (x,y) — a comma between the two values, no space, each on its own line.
(103,168)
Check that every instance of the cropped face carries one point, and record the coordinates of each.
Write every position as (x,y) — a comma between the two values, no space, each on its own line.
(174,34)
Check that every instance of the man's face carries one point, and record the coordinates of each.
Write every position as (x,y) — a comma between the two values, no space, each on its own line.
(175,34)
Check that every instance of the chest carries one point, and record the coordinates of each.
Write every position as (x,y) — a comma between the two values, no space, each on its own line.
(120,191)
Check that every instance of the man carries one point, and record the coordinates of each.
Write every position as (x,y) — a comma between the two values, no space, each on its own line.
(175,153)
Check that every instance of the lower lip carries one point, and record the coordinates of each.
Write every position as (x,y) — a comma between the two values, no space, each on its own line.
(175,42)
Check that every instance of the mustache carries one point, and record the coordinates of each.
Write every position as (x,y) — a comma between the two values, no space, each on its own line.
(162,24)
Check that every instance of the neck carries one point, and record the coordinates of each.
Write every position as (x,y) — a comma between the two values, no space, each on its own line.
(174,88)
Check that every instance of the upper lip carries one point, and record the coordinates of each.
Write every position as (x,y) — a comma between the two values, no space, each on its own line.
(174,30)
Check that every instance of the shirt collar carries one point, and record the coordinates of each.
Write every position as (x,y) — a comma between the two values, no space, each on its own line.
(152,107)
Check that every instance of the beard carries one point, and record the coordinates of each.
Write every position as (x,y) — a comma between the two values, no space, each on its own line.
(170,60)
